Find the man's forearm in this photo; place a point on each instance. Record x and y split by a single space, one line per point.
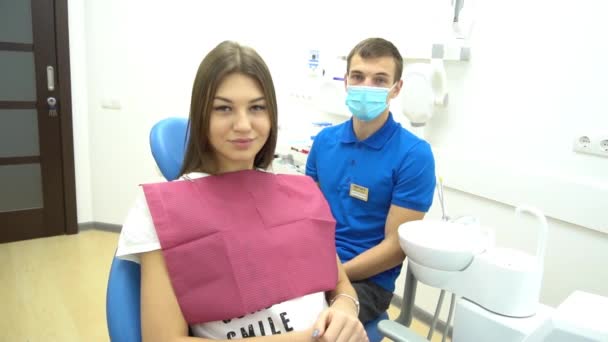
380 258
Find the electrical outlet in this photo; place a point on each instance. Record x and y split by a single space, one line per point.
582 143
591 144
602 146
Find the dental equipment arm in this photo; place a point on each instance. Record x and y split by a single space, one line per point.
398 333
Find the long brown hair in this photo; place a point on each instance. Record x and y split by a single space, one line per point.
226 58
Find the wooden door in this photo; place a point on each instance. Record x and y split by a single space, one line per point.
36 153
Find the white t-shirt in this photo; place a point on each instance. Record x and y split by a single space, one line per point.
138 235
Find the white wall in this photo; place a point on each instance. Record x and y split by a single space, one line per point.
534 82
535 78
80 118
145 55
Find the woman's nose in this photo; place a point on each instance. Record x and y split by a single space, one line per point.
242 121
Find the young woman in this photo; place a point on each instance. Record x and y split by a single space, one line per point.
220 256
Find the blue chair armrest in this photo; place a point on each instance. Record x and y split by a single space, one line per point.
123 301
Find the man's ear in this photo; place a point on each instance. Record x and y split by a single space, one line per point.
397 89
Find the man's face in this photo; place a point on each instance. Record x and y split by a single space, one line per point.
373 72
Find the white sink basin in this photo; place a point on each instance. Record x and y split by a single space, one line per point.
442 245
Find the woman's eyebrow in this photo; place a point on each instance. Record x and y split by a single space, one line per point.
261 98
222 99
258 99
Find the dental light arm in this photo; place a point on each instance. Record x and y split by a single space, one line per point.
424 87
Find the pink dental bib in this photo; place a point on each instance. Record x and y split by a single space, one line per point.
243 241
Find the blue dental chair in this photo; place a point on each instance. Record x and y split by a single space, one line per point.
167 144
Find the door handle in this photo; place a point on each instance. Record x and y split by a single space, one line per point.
50 78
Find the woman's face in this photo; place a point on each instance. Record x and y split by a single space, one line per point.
239 124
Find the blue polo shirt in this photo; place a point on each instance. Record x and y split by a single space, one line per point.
392 166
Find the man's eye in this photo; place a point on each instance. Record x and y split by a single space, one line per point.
380 81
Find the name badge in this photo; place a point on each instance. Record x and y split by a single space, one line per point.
358 192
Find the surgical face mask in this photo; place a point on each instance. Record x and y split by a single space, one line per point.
366 103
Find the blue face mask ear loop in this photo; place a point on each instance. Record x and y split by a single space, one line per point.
391 89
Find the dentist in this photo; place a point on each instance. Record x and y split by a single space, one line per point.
374 173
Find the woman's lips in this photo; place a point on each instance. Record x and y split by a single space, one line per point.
242 144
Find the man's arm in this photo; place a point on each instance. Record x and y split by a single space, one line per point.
388 253
415 185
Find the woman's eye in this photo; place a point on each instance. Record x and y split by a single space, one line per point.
258 108
222 108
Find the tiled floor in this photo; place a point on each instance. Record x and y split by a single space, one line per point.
53 289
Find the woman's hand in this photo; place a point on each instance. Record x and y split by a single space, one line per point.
339 323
